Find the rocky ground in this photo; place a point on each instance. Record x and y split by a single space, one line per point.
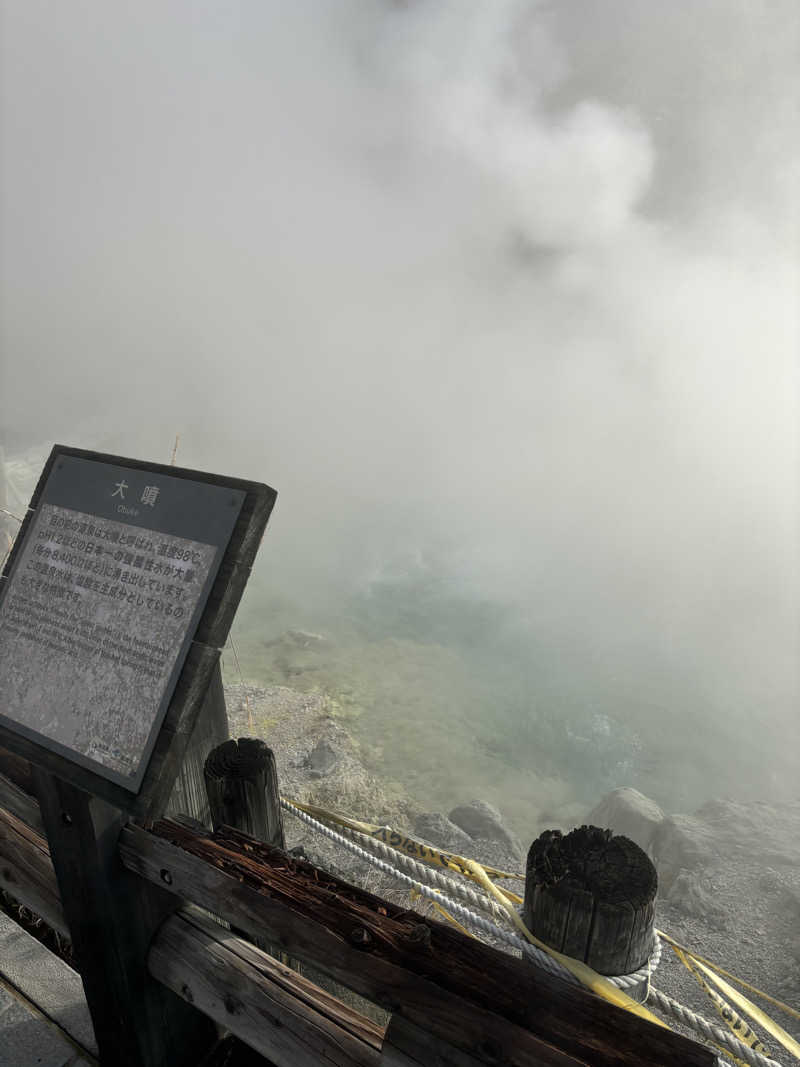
729 888
729 875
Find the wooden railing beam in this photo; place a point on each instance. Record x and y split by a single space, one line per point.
112 917
468 994
283 1016
459 992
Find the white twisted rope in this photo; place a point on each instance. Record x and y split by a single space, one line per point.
426 873
541 959
479 922
709 1031
432 877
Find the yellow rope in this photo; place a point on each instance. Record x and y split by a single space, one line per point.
585 975
416 895
408 845
727 974
734 1022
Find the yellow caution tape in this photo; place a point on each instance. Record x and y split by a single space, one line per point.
408 845
754 1012
452 919
733 1021
415 895
708 968
740 981
589 978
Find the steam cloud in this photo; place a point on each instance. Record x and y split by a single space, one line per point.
518 279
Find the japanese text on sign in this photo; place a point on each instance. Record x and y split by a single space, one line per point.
97 610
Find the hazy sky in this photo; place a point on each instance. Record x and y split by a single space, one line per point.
517 278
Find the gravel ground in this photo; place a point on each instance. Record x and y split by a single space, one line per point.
753 935
745 916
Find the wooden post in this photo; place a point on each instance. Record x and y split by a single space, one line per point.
189 796
591 895
112 918
241 781
242 785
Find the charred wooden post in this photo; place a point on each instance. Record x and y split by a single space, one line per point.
242 785
189 796
591 895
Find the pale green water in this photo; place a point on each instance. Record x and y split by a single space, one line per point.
449 698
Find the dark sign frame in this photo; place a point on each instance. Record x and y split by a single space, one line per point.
204 648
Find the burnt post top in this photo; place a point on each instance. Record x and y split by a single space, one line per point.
119 593
612 868
591 895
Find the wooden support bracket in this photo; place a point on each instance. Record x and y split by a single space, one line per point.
112 917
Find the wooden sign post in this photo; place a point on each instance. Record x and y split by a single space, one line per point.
114 605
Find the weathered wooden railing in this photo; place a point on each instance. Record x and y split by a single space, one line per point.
453 1000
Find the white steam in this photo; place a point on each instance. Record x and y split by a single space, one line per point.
517 278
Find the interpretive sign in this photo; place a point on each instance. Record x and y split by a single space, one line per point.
102 598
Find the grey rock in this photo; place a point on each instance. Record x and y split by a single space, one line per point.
790 903
753 833
629 813
768 833
682 842
435 827
478 818
306 639
482 821
322 759
690 895
299 639
769 881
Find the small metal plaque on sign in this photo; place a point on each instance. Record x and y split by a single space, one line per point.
101 603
